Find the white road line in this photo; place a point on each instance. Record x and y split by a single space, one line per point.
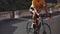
54 17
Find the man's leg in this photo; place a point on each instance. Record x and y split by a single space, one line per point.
48 14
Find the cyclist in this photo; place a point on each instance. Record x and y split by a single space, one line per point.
34 10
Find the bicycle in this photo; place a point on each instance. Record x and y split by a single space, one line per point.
43 28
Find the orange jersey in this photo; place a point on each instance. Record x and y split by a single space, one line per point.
36 4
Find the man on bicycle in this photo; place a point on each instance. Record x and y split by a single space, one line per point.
34 10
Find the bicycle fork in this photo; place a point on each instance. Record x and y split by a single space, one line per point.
41 25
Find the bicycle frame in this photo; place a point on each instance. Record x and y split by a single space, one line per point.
41 23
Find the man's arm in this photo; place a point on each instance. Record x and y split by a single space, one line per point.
46 10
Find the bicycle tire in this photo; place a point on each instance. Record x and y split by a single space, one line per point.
45 30
28 29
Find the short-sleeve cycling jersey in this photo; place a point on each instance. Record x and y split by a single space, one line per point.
36 4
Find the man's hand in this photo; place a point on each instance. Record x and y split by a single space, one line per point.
48 19
38 18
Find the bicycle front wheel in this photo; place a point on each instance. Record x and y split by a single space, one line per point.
45 29
29 30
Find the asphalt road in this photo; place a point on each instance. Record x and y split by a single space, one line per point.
18 26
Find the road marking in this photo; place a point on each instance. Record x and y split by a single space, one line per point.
53 17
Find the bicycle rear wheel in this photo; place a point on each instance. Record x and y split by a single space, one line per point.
45 29
29 30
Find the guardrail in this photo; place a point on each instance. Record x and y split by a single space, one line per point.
19 13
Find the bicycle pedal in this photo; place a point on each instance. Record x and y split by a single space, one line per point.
36 32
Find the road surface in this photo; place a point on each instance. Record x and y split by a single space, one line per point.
18 26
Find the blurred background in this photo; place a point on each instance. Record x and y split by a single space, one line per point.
14 15
21 4
14 6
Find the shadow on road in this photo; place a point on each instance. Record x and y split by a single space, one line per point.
44 15
6 26
12 21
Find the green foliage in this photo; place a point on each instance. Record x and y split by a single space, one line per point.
1 7
19 4
22 4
